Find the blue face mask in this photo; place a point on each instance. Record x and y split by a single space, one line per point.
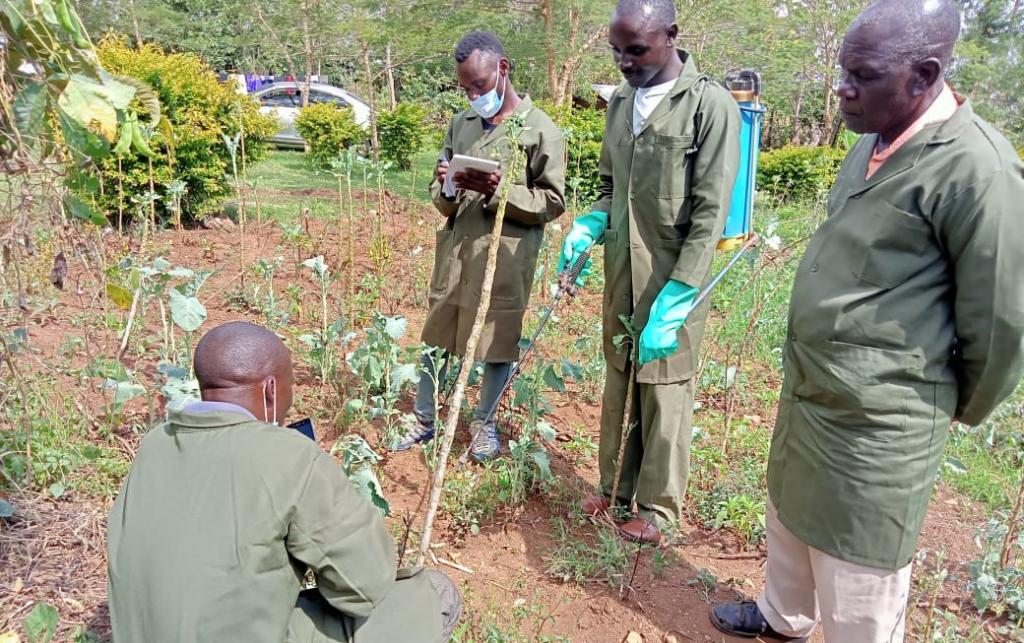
489 104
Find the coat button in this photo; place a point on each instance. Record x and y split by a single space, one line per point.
814 267
632 196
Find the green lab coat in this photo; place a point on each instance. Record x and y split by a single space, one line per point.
216 524
667 193
537 196
907 311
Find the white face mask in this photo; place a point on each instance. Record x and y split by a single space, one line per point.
489 104
270 419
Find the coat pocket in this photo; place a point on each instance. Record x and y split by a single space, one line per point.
508 292
861 389
443 261
893 247
672 157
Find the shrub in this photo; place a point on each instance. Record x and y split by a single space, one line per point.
799 172
327 130
403 131
199 111
583 130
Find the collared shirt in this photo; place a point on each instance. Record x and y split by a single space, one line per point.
940 111
206 406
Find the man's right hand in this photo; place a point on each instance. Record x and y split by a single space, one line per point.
587 231
441 172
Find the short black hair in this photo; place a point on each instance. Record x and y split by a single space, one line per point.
928 28
484 41
656 13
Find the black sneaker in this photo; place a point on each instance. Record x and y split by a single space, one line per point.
744 619
417 433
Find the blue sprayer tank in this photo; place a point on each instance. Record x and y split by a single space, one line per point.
745 87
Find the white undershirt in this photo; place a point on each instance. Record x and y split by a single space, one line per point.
644 102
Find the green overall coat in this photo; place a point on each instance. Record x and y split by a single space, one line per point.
536 197
216 524
667 193
907 311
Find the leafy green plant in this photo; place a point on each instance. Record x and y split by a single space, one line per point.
583 130
323 345
383 369
328 130
997 577
402 131
41 623
187 142
799 172
581 559
358 460
269 304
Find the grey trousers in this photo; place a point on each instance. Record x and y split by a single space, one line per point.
495 376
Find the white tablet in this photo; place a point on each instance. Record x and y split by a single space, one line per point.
461 163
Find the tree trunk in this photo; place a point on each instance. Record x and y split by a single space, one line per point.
371 96
389 70
550 53
795 139
135 23
307 50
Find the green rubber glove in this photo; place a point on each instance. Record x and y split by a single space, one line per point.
587 231
668 314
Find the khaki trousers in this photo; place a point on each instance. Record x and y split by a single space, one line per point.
656 463
855 604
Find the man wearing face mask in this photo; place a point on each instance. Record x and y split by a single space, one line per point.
224 510
668 165
536 197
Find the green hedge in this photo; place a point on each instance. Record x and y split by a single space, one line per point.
402 131
327 130
200 111
799 172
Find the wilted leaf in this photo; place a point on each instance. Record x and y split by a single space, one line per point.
546 431
317 265
187 312
82 101
366 483
41 624
10 637
543 464
119 295
572 370
60 271
56 490
6 509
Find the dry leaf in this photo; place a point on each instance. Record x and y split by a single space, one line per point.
634 637
10 637
60 271
17 586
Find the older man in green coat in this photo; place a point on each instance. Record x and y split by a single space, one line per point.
668 165
907 313
536 197
224 510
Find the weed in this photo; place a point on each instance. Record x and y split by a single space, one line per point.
705 583
268 304
604 557
997 577
581 447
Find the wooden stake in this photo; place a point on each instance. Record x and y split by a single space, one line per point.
466 365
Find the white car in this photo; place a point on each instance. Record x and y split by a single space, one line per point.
283 101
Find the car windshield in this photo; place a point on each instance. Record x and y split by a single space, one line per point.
282 98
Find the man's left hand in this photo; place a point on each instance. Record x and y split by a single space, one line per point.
668 313
477 181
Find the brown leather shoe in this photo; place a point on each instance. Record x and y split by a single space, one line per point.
595 505
640 531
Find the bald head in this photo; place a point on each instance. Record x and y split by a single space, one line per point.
248 365
237 354
911 30
652 14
